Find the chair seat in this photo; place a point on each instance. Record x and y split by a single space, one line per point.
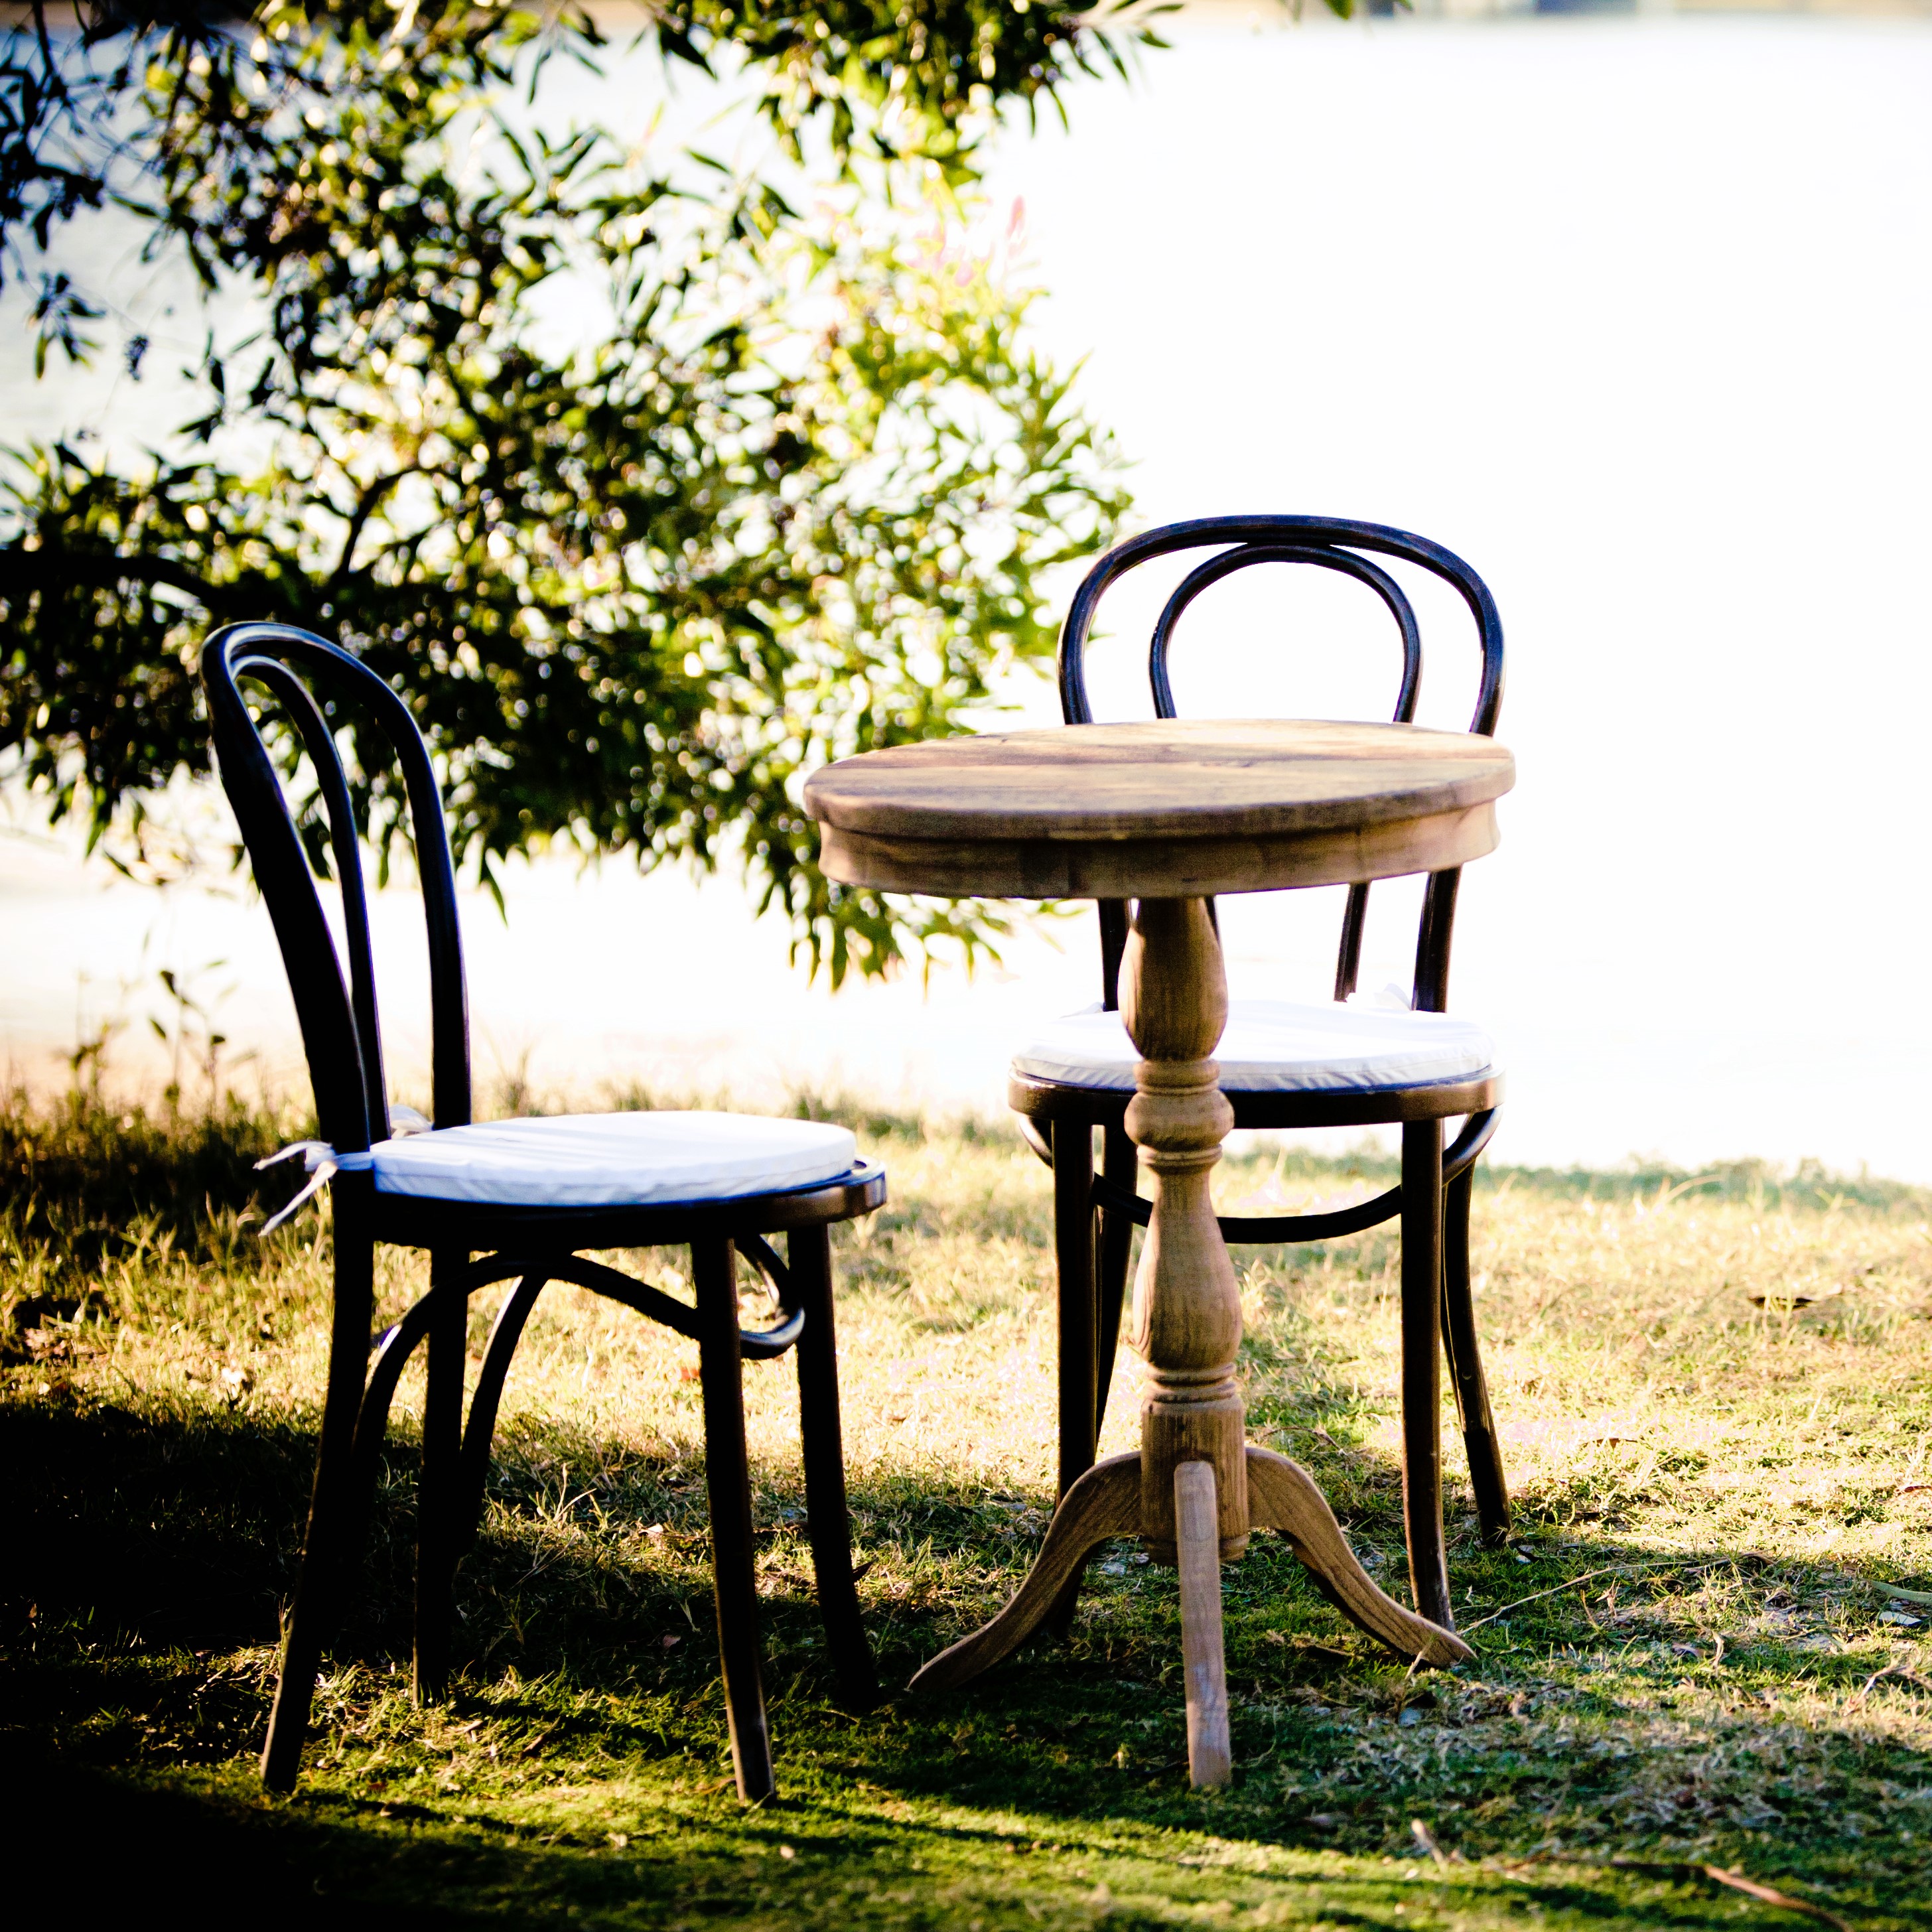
611 1160
1276 1046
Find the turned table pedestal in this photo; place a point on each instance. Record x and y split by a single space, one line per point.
1168 814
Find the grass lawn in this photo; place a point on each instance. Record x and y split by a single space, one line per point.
1702 1654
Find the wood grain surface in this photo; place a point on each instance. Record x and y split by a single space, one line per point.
1169 868
1170 777
1187 1304
1204 1664
1105 1501
1282 1495
1165 808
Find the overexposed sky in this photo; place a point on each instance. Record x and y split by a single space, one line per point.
1631 313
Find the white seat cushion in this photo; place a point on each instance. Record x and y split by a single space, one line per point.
612 1160
1276 1046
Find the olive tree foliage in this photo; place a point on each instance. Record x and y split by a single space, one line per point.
790 492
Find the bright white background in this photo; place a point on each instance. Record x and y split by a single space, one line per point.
1631 314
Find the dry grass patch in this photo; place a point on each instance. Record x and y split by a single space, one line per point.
1715 1392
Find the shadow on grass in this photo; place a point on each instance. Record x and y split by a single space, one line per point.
321 1862
580 1769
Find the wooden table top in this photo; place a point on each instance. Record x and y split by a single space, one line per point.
1160 808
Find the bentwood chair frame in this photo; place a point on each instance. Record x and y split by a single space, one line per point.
318 687
1433 1198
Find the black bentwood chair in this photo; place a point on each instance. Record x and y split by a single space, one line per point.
1284 1065
529 1196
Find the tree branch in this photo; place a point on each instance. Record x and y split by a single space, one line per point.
28 571
371 495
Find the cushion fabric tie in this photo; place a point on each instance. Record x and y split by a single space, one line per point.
323 1163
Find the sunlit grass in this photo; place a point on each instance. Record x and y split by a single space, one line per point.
1714 1392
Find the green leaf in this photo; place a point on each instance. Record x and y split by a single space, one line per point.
805 497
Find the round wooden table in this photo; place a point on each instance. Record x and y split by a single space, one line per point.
1167 813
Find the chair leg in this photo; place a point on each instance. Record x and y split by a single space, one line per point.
486 1400
828 1522
1073 1257
1466 1367
727 1477
1120 1163
1421 1367
1073 1260
328 1553
439 1502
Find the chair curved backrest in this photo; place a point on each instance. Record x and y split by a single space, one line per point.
317 686
1328 543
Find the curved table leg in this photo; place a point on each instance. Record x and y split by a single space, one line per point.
1282 1495
1105 1501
